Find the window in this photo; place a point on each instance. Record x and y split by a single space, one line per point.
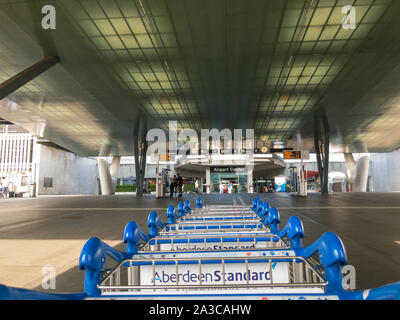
48 182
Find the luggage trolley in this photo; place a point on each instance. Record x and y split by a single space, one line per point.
184 213
224 226
291 273
209 216
225 212
221 240
181 265
222 210
261 275
217 209
228 221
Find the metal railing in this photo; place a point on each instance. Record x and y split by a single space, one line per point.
218 217
199 243
216 221
205 228
301 273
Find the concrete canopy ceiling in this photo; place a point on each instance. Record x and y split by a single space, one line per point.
212 63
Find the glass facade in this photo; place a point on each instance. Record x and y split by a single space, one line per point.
236 180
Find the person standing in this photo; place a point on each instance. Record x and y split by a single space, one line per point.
221 187
171 189
196 186
173 186
180 185
5 188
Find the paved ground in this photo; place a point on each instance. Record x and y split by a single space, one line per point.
52 230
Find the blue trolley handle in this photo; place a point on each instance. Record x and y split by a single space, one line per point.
181 209
259 207
199 203
272 220
186 207
265 209
294 230
254 204
133 236
171 214
332 255
154 223
93 260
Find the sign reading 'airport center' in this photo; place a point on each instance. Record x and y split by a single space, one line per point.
227 169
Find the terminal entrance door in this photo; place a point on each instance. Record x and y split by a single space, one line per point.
233 182
237 179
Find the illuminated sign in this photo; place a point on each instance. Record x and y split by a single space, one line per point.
167 157
291 155
227 169
278 144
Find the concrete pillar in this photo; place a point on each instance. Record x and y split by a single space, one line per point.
114 168
208 179
361 180
105 177
357 173
250 180
201 180
108 175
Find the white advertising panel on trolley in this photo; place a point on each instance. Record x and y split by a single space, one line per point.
212 274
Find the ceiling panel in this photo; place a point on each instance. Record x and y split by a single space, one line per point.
214 63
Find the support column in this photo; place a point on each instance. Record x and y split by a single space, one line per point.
303 180
208 180
250 180
139 190
105 177
114 169
357 172
35 164
321 145
143 155
200 185
108 175
140 152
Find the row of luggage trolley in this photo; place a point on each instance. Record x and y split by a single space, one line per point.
215 252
